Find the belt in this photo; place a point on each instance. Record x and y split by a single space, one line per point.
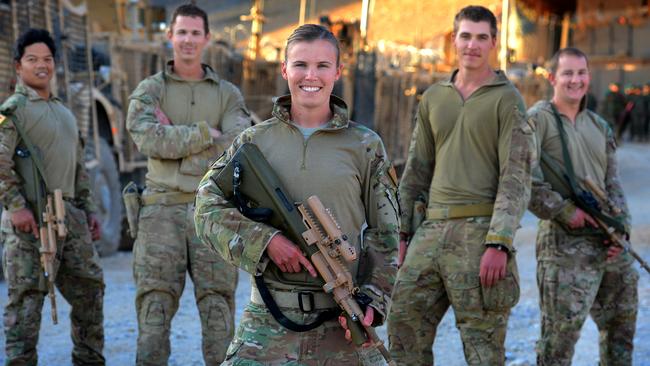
167 198
307 301
457 211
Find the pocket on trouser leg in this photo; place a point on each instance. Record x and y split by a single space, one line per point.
503 295
464 291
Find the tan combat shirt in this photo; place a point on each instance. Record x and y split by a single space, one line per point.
477 150
52 129
346 166
591 147
180 154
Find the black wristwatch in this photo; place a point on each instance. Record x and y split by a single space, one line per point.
499 247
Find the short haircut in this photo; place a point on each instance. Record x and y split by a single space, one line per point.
554 63
310 33
191 10
30 37
476 14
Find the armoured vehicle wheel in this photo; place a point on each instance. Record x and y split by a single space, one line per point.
108 198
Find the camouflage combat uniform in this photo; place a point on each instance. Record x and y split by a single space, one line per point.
573 277
466 156
346 166
52 129
166 246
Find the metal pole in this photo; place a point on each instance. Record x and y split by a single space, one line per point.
503 51
303 11
564 37
365 11
256 17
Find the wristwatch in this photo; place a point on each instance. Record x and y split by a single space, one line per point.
499 247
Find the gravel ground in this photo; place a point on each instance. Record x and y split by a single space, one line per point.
523 329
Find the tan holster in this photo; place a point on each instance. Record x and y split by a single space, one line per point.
132 204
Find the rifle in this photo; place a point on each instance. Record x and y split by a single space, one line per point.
615 237
249 181
324 232
49 209
51 224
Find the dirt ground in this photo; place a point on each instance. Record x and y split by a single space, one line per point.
523 329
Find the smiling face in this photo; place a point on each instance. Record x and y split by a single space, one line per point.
188 38
36 67
571 79
311 71
473 42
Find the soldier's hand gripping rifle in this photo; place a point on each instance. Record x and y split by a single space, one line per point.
325 233
51 225
248 181
615 237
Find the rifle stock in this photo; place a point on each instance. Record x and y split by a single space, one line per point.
52 225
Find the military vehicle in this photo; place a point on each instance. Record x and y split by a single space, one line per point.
75 84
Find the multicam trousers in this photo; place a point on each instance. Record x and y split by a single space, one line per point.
441 269
79 278
165 249
261 341
574 281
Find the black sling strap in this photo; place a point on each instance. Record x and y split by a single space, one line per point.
584 199
261 215
275 311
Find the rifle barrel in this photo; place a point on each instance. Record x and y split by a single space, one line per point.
623 244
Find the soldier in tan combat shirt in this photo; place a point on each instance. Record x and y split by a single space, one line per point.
181 118
471 155
577 274
315 150
52 129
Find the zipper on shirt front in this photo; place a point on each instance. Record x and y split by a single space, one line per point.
303 165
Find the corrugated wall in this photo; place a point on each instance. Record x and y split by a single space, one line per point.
6 47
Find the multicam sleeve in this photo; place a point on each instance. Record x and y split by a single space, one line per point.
162 141
224 229
10 196
516 154
236 117
418 171
83 188
381 237
545 203
612 182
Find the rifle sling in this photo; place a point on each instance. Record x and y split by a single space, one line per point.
275 311
30 147
569 176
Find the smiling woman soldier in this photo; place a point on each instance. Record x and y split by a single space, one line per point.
315 150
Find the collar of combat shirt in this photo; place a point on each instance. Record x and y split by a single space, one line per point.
499 79
32 95
208 73
339 120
